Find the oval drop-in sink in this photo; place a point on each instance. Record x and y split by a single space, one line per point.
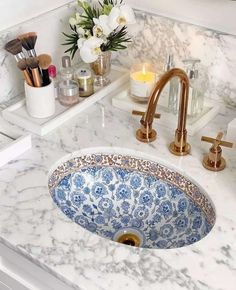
132 200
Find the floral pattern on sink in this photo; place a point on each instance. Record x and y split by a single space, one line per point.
106 195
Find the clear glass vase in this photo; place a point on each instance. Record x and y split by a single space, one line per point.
101 68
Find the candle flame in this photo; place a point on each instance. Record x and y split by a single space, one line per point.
144 70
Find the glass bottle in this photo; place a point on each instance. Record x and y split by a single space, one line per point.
173 91
196 97
67 71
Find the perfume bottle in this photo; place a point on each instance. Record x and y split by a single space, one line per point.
173 87
196 96
67 71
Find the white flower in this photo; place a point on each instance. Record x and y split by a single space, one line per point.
80 31
91 49
75 20
101 25
72 21
97 31
77 17
121 16
80 42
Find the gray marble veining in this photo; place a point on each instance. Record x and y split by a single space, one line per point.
31 223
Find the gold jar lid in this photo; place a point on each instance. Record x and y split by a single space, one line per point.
83 73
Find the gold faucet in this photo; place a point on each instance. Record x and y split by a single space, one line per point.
147 134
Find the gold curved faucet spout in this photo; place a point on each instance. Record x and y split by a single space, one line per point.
147 134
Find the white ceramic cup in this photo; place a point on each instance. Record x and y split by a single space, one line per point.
40 102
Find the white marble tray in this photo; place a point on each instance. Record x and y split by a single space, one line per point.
12 143
211 109
231 132
17 113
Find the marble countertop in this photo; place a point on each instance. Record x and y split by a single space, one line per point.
32 224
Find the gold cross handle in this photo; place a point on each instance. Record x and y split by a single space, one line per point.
139 113
213 160
217 141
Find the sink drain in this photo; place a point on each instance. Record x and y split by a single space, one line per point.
129 239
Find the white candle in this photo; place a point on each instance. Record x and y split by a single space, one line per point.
142 81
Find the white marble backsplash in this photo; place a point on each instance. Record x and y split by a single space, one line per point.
155 37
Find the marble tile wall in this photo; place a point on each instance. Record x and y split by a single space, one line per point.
154 38
157 36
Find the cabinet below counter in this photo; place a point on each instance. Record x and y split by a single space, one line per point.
19 273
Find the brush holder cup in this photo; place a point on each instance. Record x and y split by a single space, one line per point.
40 102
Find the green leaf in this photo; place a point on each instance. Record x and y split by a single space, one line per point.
83 5
107 9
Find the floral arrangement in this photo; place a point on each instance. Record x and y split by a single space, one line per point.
101 26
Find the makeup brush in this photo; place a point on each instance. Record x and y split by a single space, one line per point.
15 47
33 63
22 65
28 41
44 62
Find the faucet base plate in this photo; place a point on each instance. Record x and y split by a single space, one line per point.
146 138
214 166
175 150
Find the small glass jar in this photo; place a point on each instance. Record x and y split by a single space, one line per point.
143 77
68 94
84 78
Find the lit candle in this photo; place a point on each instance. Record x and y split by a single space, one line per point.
142 80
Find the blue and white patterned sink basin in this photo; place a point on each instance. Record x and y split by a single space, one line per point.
113 195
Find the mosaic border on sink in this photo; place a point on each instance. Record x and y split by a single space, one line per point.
138 164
